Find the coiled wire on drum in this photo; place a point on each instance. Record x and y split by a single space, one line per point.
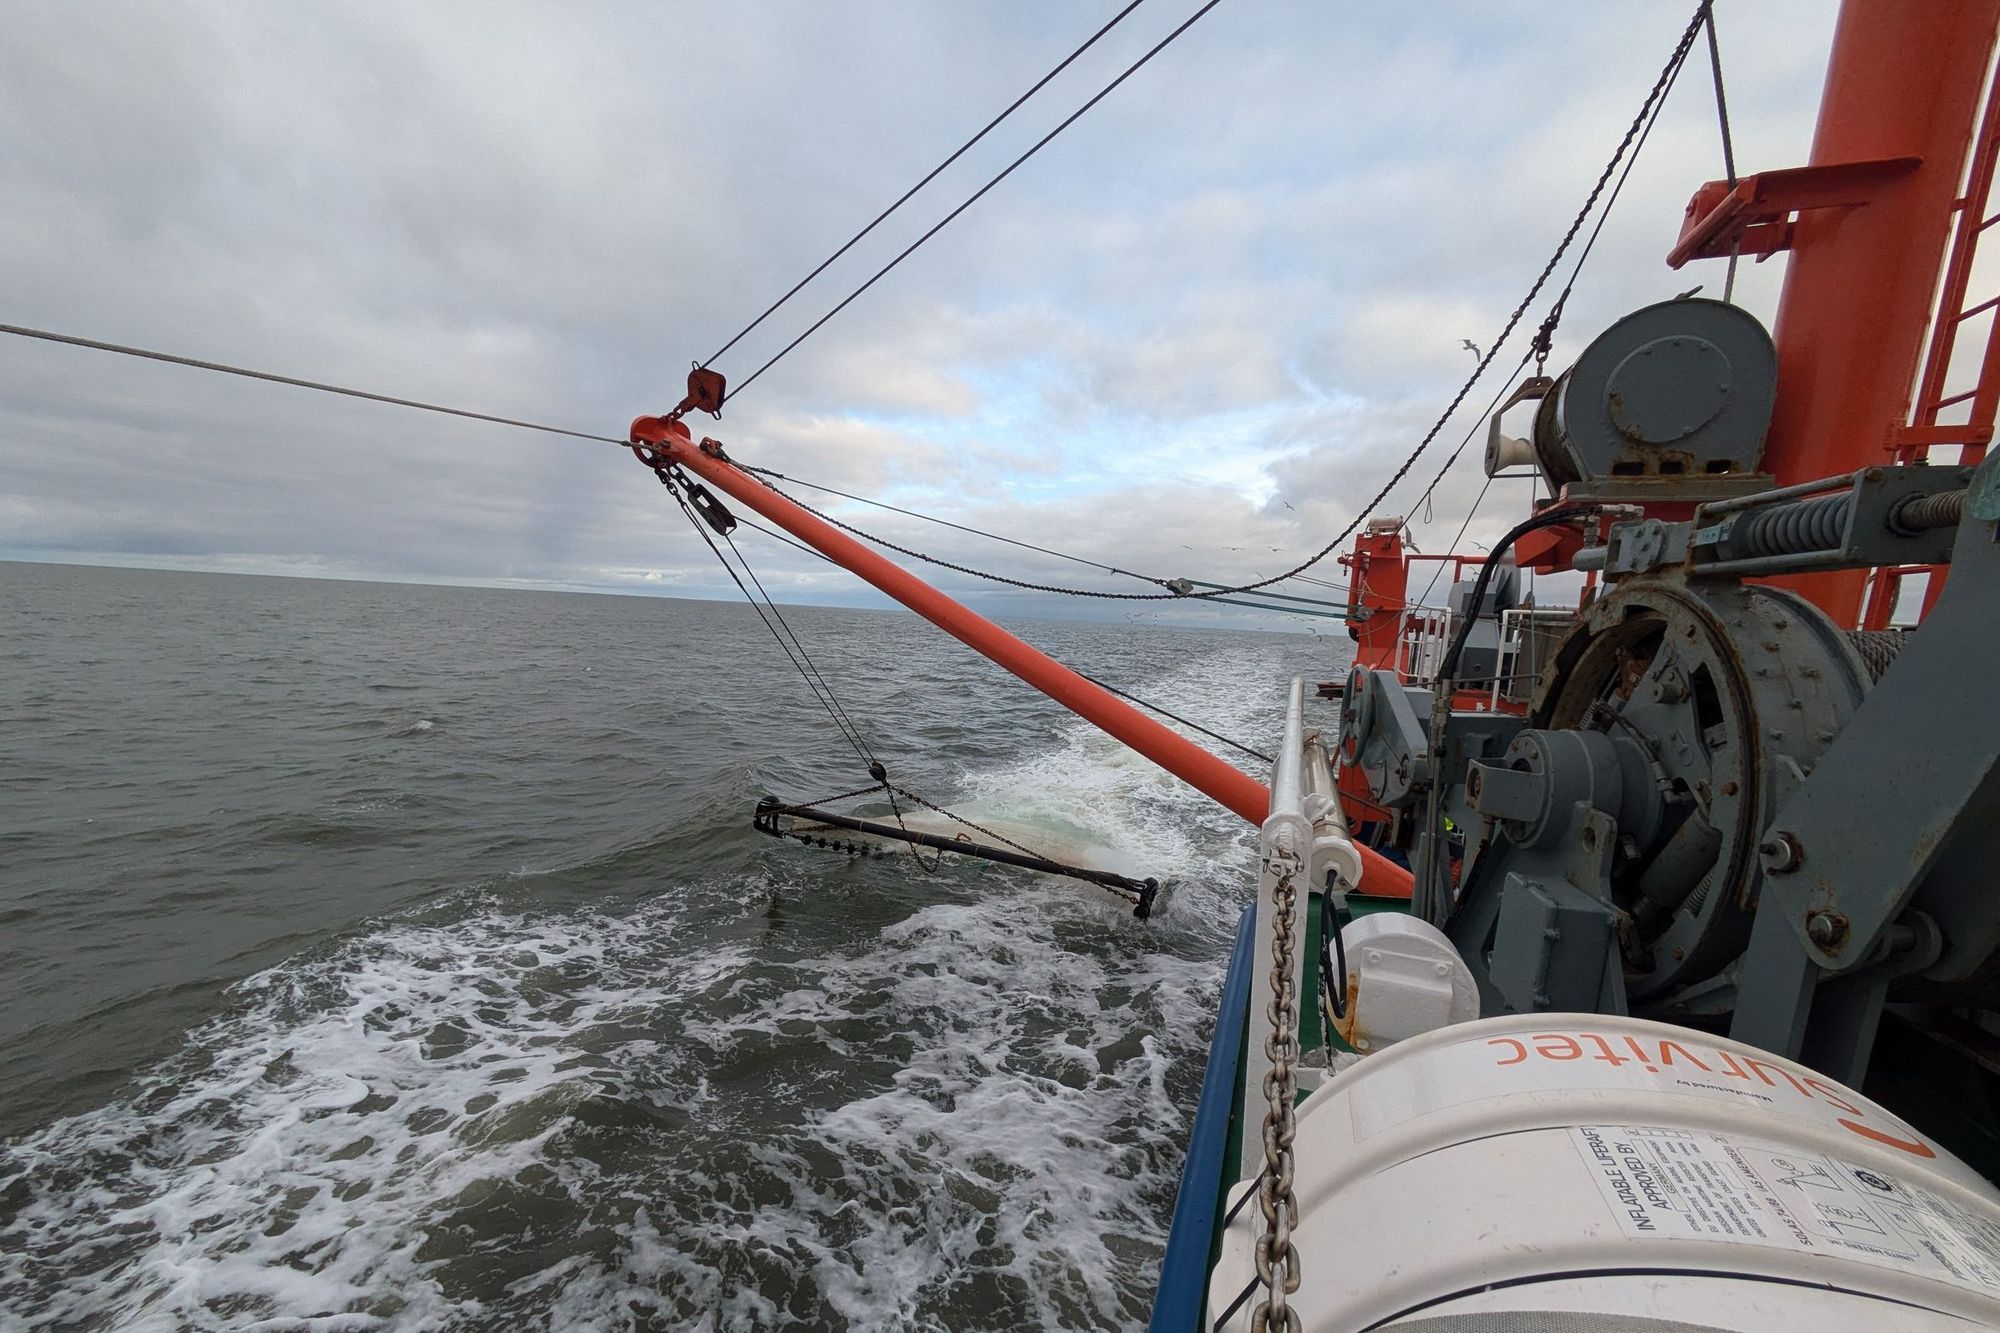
1877 648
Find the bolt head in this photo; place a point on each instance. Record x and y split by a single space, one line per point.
1781 854
1826 930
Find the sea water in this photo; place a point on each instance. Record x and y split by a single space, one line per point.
389 957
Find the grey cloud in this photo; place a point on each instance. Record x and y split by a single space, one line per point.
1239 284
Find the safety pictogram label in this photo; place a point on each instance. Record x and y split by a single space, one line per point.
1690 1185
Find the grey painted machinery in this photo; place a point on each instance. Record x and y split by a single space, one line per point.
1720 808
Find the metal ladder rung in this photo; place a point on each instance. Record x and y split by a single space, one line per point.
1979 309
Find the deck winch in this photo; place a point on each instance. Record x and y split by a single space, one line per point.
1649 835
1633 797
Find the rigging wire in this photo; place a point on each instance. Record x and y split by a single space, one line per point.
123 350
1028 584
1438 571
1728 145
1721 99
781 537
822 689
1634 135
940 225
804 656
1633 132
808 670
1153 707
944 522
1547 331
1643 120
1010 541
884 542
962 149
845 725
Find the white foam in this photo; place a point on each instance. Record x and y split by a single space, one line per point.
314 1158
287 1166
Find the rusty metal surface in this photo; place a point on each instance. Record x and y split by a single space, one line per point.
1675 394
1910 787
1674 719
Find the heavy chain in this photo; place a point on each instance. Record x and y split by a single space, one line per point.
1277 1262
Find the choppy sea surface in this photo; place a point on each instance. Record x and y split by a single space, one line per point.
389 957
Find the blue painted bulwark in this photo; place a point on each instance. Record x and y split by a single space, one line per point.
1178 1304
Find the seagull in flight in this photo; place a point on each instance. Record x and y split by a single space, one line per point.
1470 346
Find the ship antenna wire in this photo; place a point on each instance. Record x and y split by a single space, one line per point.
1012 107
978 194
170 358
1634 137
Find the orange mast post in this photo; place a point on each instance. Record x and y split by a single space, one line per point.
1224 782
1903 82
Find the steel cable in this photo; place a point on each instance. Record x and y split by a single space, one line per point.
980 193
1635 134
947 523
220 368
962 149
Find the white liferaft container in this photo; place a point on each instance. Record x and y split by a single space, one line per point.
1573 1171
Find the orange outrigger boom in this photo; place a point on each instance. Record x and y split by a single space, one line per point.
662 442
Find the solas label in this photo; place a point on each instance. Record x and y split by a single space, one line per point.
1683 1185
1477 1068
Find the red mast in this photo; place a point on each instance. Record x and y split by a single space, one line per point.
1873 211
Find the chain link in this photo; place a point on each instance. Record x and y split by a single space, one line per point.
976 828
1277 1262
806 807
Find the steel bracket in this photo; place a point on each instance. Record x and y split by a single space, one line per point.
1920 770
1869 536
1755 216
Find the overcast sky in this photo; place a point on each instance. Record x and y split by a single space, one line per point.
1191 337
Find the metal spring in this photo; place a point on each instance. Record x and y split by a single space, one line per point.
1932 511
1794 529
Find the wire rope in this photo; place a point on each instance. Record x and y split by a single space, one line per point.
978 194
932 175
317 386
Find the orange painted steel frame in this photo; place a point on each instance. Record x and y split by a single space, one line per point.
1224 782
1378 584
1904 80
